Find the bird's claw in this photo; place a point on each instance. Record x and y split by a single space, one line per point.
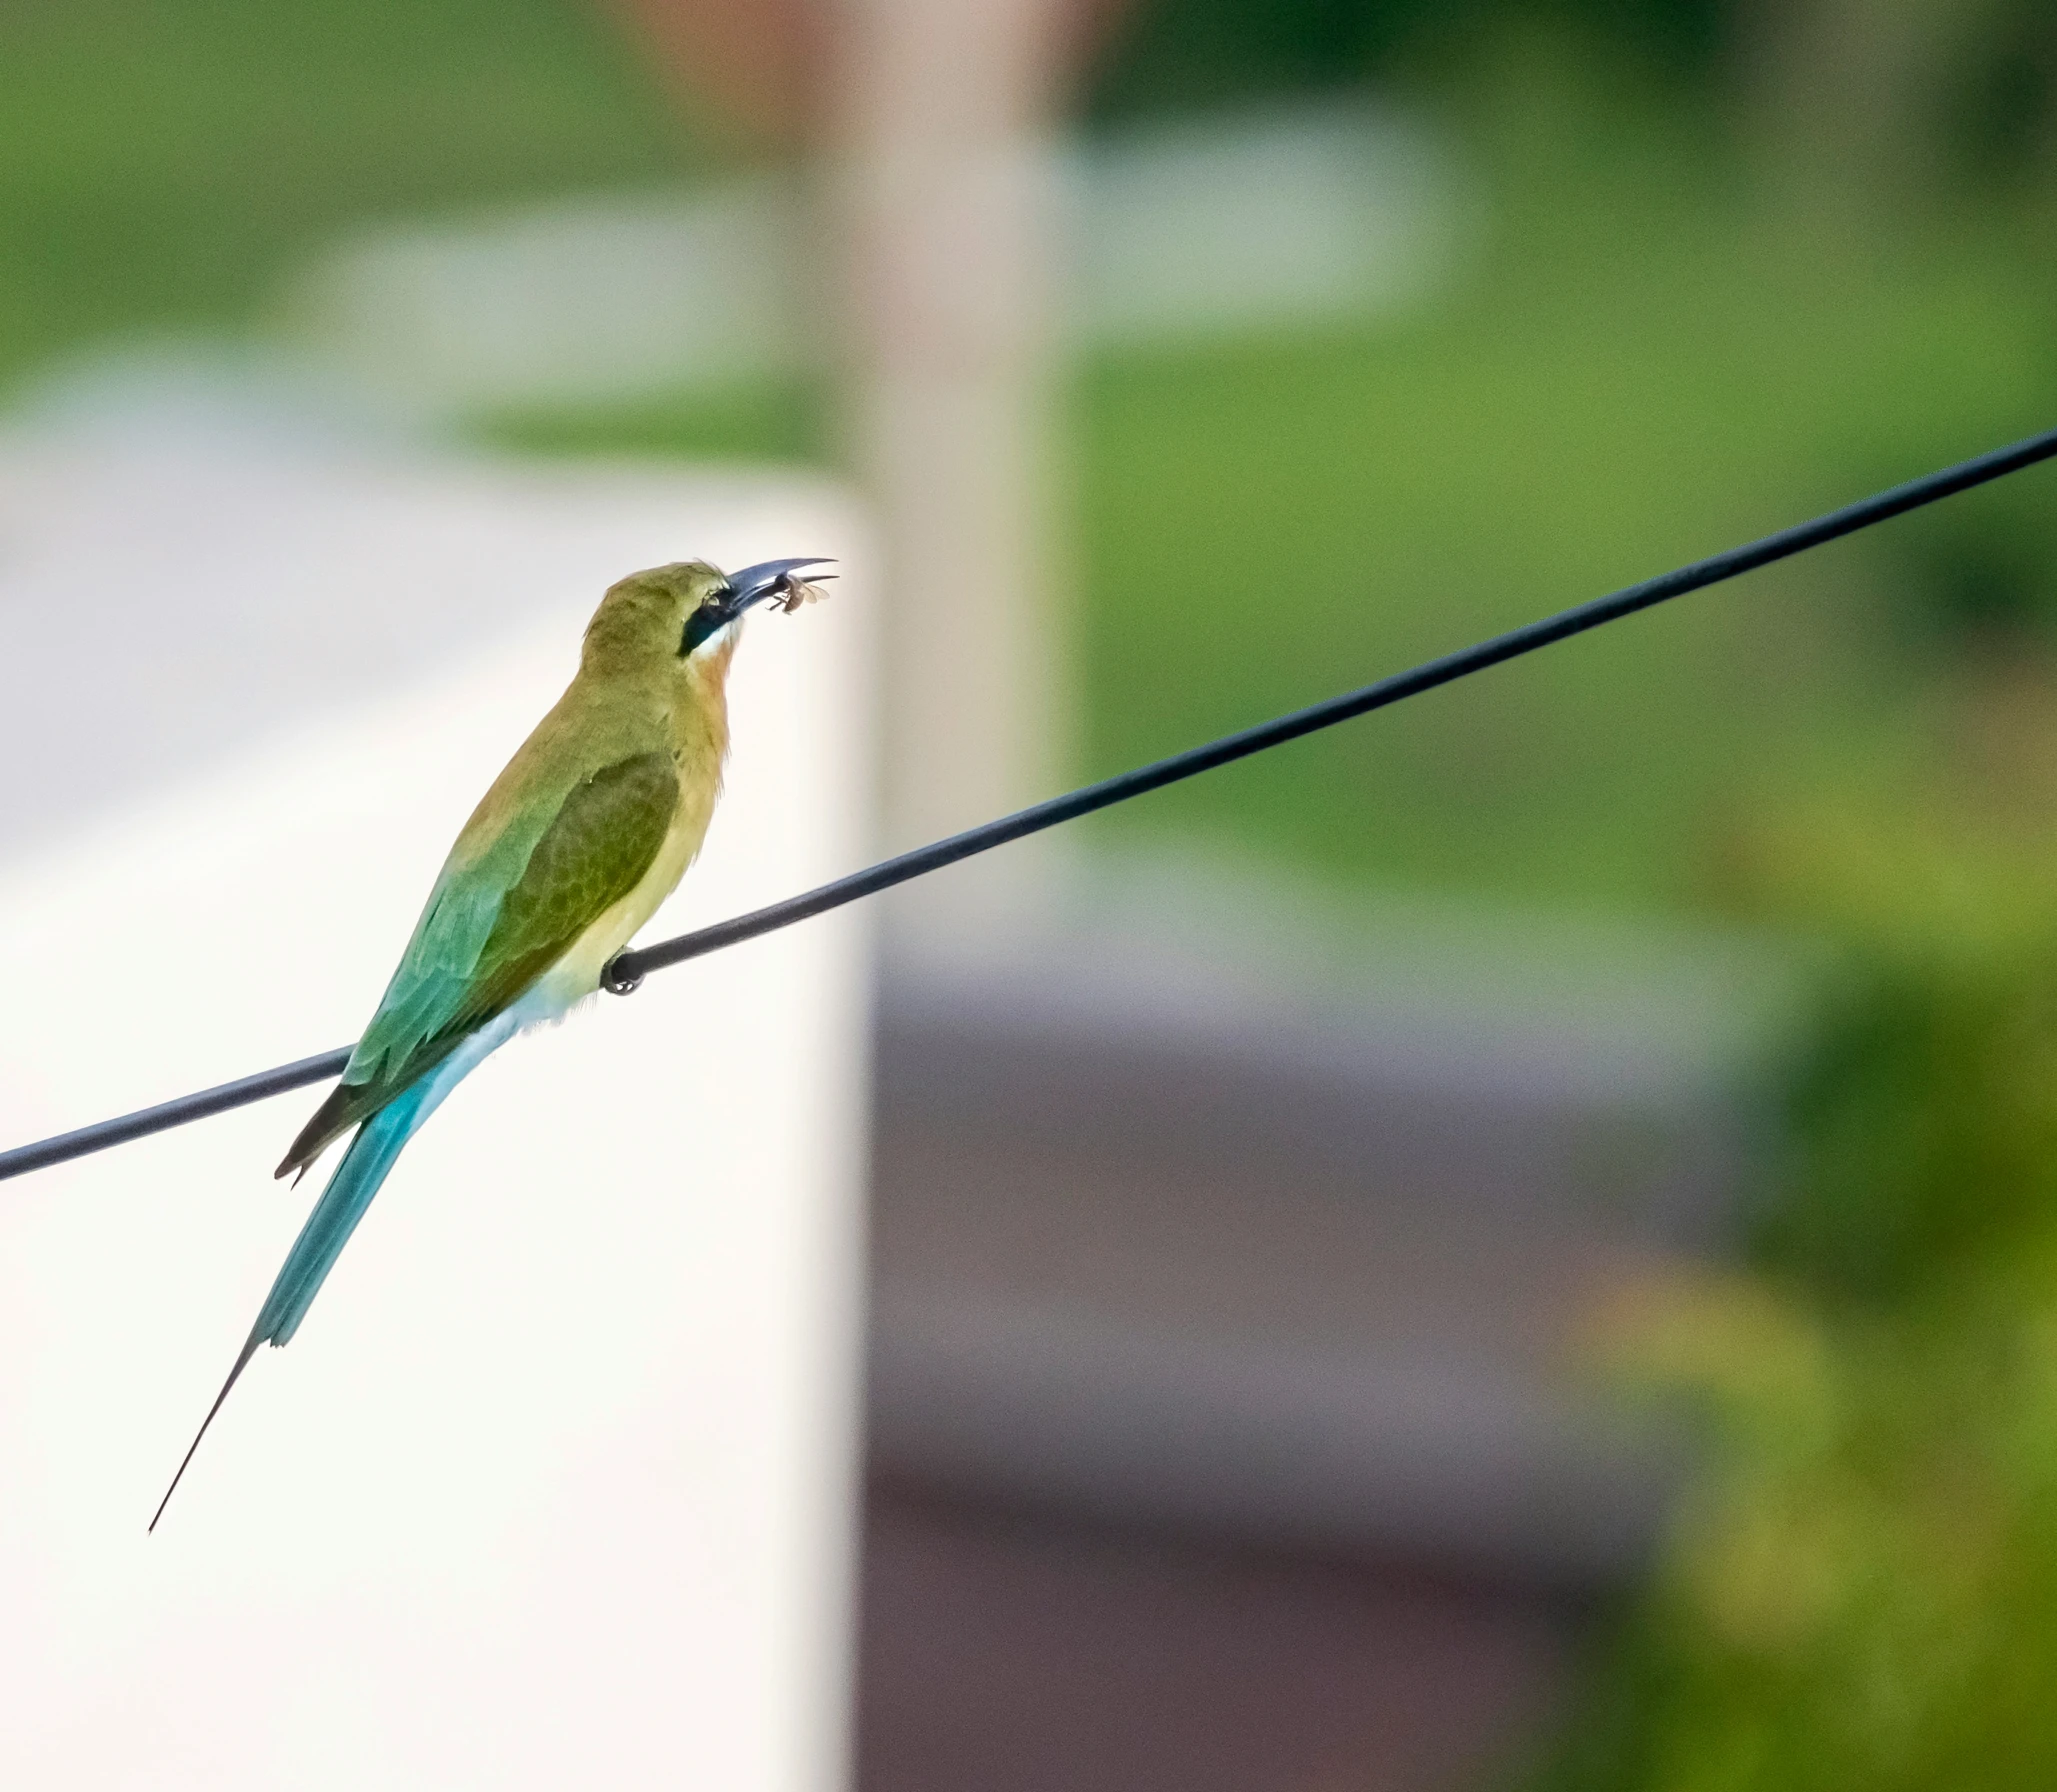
617 982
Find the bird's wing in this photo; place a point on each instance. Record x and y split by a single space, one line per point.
494 924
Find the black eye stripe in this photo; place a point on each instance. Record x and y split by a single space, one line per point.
710 616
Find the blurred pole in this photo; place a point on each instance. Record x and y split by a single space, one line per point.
943 185
945 267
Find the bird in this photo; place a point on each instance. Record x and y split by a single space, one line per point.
581 837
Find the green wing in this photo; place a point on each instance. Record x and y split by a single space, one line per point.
496 924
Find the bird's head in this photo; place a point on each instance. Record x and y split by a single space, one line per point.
685 614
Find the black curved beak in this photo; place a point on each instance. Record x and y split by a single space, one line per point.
768 578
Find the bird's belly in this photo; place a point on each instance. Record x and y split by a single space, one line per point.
577 974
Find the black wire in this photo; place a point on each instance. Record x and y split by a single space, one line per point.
221 1099
629 968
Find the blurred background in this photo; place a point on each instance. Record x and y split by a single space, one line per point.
1508 1244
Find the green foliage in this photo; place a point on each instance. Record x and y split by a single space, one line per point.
1980 575
1862 1589
1862 1595
1999 107
1926 1114
1184 55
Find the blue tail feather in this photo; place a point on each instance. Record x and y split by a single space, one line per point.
350 1190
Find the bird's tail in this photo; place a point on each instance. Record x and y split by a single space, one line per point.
321 1241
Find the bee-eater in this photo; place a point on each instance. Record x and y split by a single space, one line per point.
585 833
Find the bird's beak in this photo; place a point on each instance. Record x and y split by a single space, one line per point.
768 578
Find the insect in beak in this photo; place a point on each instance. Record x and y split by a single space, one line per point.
773 582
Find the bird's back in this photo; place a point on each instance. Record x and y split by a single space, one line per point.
574 846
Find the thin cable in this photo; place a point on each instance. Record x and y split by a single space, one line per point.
221 1099
629 969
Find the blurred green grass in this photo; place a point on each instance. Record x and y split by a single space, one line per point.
1653 375
163 162
1646 360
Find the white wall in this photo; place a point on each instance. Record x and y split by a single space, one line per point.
554 1488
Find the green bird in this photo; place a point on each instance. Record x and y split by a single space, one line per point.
585 833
